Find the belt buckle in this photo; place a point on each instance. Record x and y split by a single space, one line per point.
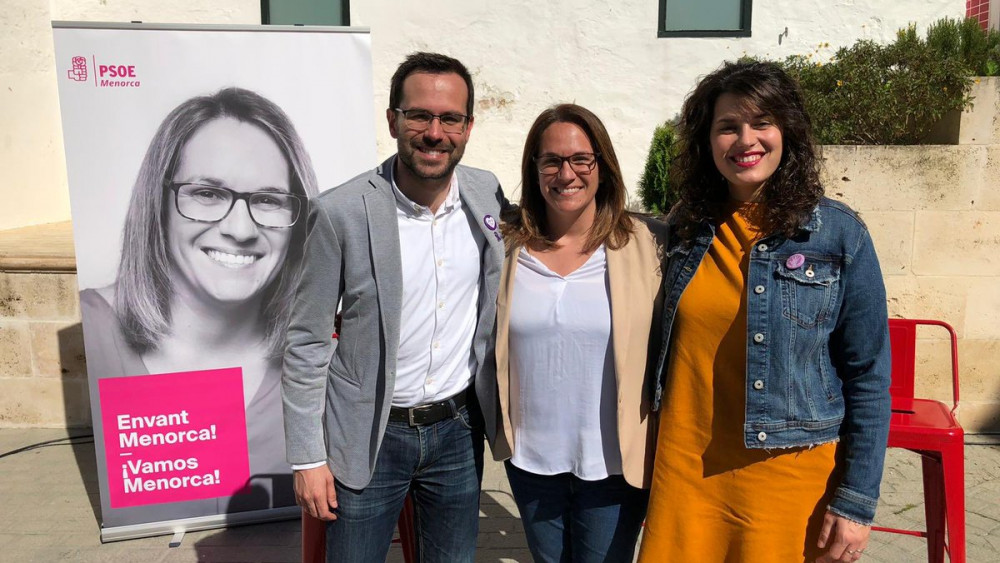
409 416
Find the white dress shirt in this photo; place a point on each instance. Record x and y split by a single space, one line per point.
441 256
563 393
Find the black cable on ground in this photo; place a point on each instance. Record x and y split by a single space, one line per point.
67 441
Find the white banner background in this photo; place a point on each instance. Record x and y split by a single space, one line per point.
320 77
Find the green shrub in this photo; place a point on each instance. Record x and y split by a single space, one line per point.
872 94
945 38
655 190
868 94
965 41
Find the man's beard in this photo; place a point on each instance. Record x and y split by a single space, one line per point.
407 155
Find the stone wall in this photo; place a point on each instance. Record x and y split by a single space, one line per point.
934 214
43 373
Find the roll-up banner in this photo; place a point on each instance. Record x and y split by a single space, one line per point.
192 153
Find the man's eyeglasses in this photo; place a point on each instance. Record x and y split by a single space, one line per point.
582 163
211 204
420 120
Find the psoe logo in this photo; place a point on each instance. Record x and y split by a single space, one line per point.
107 75
116 76
79 70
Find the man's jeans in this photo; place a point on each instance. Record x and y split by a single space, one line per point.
568 519
442 463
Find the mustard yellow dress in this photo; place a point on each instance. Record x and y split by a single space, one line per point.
712 499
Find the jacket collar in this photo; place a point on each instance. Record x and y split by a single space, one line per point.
814 222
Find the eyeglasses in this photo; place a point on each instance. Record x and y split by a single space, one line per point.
420 120
582 163
210 204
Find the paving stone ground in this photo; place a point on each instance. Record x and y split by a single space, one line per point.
51 513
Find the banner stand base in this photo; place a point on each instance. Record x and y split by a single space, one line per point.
133 531
177 539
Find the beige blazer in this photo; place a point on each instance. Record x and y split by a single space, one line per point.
636 297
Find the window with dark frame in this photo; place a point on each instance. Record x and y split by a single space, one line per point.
704 18
305 12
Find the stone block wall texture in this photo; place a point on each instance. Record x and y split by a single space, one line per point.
43 373
934 214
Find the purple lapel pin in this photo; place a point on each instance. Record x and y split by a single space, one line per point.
490 222
795 261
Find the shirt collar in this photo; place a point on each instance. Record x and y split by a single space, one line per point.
451 201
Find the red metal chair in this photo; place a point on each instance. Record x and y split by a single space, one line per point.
314 536
930 429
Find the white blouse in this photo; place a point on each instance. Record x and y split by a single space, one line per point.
563 393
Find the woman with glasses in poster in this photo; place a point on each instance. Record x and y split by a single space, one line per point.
576 305
775 372
210 257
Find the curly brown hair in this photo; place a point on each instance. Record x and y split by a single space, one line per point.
790 194
526 223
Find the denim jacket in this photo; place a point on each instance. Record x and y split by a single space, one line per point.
818 366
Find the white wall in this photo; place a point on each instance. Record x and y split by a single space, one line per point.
32 164
524 54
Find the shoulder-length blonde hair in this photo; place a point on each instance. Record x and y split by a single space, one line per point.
527 224
143 287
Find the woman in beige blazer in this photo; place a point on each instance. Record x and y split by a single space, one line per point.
578 297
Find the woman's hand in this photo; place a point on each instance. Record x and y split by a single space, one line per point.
847 540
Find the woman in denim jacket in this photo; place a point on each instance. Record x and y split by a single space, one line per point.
774 374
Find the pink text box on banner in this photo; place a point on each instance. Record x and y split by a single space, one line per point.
175 436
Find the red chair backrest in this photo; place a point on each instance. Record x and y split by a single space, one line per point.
903 339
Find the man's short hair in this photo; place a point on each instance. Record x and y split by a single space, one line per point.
430 63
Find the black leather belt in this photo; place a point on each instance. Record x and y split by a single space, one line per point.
430 413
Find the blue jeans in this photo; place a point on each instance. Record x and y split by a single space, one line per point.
568 519
442 464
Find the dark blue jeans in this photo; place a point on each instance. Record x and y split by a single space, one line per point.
567 519
442 464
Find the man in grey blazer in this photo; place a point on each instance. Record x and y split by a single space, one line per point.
411 252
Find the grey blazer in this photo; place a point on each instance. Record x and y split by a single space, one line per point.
337 392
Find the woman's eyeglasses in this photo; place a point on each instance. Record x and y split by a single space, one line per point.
211 204
582 163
